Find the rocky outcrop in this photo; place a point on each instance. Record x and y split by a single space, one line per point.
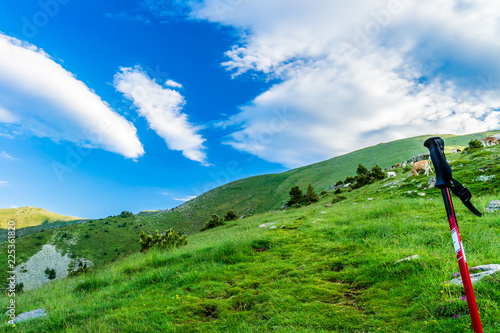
493 206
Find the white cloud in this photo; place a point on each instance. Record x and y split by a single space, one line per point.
4 183
187 198
42 97
173 84
162 109
357 73
6 156
7 116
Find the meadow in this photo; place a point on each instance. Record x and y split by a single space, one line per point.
326 267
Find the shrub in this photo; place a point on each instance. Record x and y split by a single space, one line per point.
475 144
338 191
349 180
230 216
19 287
167 241
296 196
338 198
82 268
376 173
125 214
339 183
324 192
215 221
51 273
362 170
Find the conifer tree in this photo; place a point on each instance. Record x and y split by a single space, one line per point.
296 196
311 195
362 170
377 173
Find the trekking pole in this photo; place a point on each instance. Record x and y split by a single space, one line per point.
445 182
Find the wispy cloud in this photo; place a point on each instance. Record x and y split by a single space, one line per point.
361 72
184 199
50 102
124 16
162 107
173 84
6 156
4 183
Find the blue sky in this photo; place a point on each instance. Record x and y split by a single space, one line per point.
137 105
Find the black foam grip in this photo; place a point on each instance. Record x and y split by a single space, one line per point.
441 166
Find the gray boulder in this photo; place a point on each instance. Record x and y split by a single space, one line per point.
482 271
30 315
493 206
432 182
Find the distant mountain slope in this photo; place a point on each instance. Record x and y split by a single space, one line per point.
268 192
325 267
30 216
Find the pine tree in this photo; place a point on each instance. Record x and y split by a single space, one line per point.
230 216
362 170
311 195
377 173
296 196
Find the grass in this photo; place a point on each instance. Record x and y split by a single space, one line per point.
325 268
267 192
30 216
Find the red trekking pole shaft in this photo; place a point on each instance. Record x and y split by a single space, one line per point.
462 262
444 181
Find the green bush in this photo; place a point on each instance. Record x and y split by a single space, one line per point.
125 214
339 198
167 241
296 197
230 216
19 287
362 170
377 173
82 268
475 144
324 192
215 221
51 273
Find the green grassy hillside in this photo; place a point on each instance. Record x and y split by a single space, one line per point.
106 240
324 268
268 192
30 216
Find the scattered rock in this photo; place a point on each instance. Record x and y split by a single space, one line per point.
413 257
328 205
272 227
493 206
369 199
30 315
432 182
483 270
421 194
485 178
323 212
267 225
